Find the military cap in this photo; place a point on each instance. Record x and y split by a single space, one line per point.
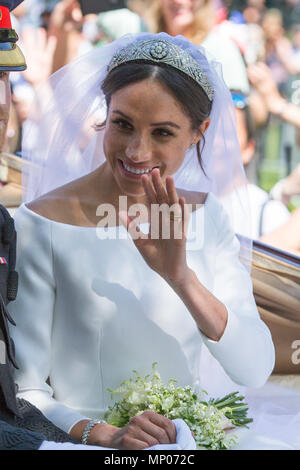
11 56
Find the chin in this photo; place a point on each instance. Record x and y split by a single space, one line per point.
131 192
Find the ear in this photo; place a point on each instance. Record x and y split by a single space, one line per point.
204 126
202 129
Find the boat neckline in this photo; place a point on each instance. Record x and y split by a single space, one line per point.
35 214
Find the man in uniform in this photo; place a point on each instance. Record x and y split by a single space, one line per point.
22 426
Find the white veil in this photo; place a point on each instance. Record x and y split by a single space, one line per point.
60 143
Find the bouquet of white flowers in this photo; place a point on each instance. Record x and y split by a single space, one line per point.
209 420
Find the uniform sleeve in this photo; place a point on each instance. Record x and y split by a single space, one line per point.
33 313
245 350
12 438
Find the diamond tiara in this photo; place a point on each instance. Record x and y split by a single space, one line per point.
161 51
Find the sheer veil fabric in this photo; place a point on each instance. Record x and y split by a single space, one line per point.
60 144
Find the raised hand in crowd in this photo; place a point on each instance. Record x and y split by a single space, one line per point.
261 78
65 25
65 15
285 53
287 187
39 49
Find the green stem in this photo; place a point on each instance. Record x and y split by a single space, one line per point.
221 400
231 402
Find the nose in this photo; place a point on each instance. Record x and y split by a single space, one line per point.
139 149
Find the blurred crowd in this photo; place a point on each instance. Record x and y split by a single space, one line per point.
258 45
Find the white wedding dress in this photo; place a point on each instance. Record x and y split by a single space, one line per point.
89 311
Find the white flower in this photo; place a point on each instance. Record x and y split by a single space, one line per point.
206 418
167 403
136 398
225 423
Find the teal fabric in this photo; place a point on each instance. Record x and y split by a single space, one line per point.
12 438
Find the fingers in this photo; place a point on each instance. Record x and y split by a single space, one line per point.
259 73
161 193
152 428
171 190
42 38
165 205
149 190
157 192
28 38
184 213
51 45
165 424
152 433
146 430
166 197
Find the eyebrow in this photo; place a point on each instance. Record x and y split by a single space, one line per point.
164 123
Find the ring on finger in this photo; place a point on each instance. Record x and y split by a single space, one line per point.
175 217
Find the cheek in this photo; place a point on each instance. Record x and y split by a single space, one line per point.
111 143
174 156
106 145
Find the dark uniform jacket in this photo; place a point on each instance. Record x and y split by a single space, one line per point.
22 425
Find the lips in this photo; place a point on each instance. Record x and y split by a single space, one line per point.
133 170
138 166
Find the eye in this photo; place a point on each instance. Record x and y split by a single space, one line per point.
162 132
122 124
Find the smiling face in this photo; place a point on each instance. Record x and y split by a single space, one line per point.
146 128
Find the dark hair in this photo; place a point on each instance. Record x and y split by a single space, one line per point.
193 99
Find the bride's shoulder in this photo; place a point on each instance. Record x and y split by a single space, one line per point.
194 198
214 209
210 200
47 205
57 205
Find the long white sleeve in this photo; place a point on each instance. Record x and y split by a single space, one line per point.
86 316
245 350
33 314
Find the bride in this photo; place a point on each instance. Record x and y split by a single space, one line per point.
143 123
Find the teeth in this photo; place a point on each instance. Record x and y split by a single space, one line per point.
135 171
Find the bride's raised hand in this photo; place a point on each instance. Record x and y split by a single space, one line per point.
164 248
